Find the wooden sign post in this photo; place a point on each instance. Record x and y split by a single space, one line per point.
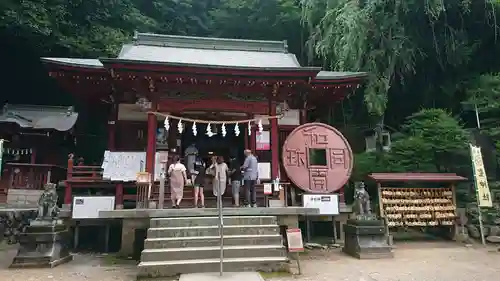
295 244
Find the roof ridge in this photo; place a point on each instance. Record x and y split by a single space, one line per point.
35 107
212 43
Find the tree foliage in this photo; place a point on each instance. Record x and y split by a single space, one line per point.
431 140
484 92
412 50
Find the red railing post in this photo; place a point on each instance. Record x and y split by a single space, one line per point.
67 193
119 195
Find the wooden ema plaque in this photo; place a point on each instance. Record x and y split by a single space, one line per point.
405 207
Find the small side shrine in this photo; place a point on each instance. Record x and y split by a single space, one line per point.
37 140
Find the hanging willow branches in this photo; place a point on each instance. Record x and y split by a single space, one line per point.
392 39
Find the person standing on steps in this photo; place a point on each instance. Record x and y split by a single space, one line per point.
250 171
178 179
198 183
236 178
221 172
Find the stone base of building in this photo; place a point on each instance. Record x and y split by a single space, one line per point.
44 244
366 239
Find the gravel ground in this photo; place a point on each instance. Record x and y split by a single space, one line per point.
415 261
412 262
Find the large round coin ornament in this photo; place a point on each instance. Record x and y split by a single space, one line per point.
317 158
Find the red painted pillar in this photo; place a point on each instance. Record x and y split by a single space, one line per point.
67 192
303 116
119 195
275 162
245 137
33 156
275 166
113 116
252 140
151 147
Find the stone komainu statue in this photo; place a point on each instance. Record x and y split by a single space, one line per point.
362 204
47 204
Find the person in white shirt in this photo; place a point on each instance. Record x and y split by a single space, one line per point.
178 179
220 171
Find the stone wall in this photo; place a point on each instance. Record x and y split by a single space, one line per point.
23 197
490 216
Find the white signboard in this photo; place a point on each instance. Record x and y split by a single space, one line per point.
328 204
124 166
88 207
264 170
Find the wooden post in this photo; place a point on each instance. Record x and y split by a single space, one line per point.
151 141
67 193
455 226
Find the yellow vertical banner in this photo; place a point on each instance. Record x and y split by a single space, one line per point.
481 181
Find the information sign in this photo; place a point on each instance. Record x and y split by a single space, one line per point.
294 238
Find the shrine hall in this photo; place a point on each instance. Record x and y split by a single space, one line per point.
165 93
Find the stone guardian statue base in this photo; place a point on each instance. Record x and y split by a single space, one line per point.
45 243
365 236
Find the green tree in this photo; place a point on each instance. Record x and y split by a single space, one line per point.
484 93
261 20
431 140
415 52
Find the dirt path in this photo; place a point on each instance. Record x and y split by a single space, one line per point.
413 262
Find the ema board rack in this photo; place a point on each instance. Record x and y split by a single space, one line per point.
420 207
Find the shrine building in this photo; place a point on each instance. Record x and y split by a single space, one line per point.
257 87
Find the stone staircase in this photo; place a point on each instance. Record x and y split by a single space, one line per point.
192 244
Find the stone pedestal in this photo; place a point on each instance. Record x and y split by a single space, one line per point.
366 239
44 244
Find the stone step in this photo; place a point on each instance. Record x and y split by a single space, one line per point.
212 252
233 240
210 221
176 267
189 231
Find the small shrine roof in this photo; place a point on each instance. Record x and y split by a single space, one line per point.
86 63
329 75
404 177
61 118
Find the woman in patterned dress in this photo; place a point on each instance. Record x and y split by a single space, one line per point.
178 179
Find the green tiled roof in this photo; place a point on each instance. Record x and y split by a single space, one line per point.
206 52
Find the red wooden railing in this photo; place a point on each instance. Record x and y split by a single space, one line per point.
83 173
31 176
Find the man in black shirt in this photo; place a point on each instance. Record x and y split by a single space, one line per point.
236 177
